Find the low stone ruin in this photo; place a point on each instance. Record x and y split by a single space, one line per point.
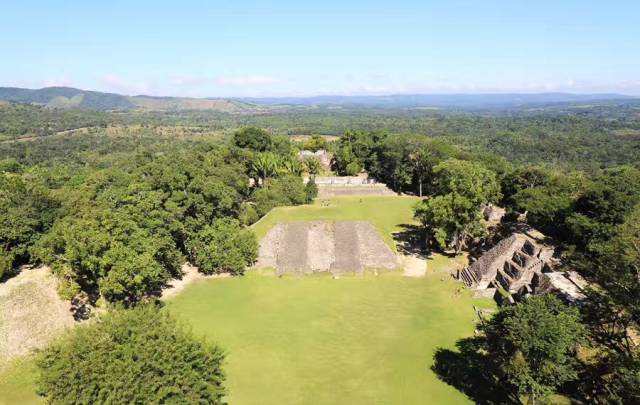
335 186
518 266
493 214
336 247
569 285
323 156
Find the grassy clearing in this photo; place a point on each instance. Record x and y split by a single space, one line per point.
386 214
315 340
17 383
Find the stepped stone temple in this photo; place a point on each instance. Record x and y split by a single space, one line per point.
522 265
511 265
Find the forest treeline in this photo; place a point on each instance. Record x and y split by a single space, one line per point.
116 216
584 138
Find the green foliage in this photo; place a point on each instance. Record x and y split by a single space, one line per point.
265 166
310 191
454 215
468 179
312 165
618 266
111 254
287 190
248 214
254 139
27 210
6 263
134 356
532 344
315 143
223 247
352 169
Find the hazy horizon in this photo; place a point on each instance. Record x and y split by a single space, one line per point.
289 49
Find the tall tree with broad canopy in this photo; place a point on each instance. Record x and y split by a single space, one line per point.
454 215
135 356
223 247
255 139
532 345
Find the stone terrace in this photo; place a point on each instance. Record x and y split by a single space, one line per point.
336 247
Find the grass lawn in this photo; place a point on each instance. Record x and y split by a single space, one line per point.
386 214
17 383
315 340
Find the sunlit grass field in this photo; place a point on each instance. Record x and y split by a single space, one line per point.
386 214
366 339
316 340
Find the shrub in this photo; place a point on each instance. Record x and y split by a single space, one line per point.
310 191
6 263
287 190
352 169
131 356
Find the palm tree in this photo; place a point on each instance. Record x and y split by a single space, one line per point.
265 165
312 165
291 166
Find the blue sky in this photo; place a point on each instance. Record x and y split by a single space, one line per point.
277 48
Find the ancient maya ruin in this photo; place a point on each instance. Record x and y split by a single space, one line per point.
518 266
337 186
317 246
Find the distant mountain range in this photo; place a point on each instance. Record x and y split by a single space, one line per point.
441 100
67 97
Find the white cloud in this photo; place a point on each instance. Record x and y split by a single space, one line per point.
58 82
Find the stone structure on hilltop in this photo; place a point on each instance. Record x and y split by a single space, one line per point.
323 156
522 265
567 284
333 186
319 246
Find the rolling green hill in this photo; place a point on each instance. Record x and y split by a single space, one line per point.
71 98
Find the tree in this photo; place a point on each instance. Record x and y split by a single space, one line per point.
532 345
352 169
423 163
291 165
450 220
313 166
454 214
315 143
27 211
265 165
223 247
131 356
618 268
310 191
471 180
107 252
255 139
285 190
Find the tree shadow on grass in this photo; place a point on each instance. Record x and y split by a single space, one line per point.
410 241
467 370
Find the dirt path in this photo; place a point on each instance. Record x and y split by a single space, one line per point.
414 266
190 275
